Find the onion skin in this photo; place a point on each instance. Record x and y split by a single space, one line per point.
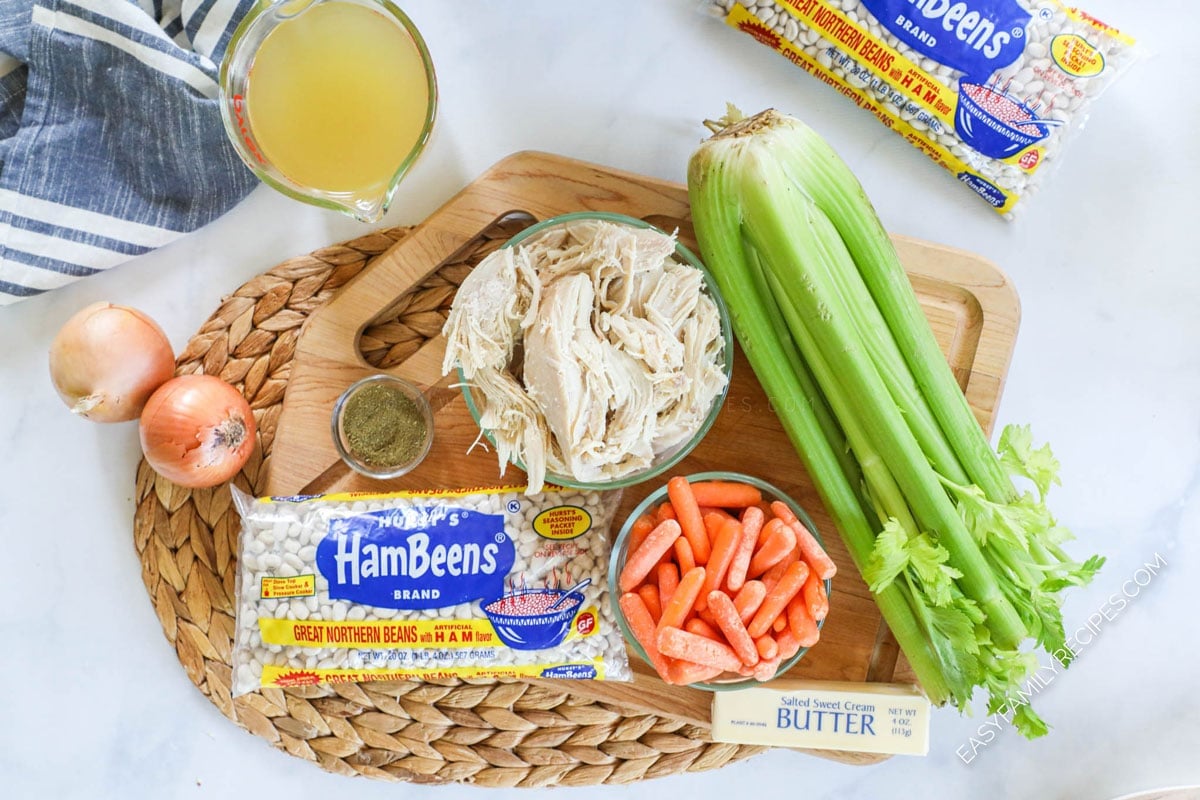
197 431
107 360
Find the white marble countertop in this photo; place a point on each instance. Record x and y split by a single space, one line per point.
1107 368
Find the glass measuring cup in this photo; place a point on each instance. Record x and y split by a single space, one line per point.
293 123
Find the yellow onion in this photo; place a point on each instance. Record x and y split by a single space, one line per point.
107 360
197 431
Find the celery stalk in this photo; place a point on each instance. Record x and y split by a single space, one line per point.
888 499
708 190
964 567
813 164
794 237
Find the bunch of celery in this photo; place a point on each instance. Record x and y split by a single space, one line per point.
965 567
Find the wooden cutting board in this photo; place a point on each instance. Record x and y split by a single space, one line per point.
971 306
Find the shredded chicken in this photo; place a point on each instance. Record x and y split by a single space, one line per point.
591 350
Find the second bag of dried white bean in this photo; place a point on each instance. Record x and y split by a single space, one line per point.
988 89
343 588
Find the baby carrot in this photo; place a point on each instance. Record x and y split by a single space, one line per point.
731 625
772 576
810 548
720 559
801 623
665 511
706 510
684 672
777 599
789 645
726 494
764 531
779 542
683 554
752 522
640 530
701 628
767 647
784 512
712 527
779 624
688 511
668 582
649 594
815 598
813 553
640 622
639 563
678 643
676 612
749 599
766 669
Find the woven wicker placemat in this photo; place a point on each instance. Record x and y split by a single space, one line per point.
483 732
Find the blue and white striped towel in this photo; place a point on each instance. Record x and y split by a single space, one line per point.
111 142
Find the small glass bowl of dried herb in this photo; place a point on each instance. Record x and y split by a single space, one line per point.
382 426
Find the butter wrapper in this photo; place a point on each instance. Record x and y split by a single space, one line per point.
856 717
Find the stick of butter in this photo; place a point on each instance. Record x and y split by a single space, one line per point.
825 715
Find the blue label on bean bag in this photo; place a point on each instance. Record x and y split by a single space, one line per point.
977 37
416 558
984 189
582 672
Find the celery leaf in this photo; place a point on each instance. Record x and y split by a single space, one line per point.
889 556
1019 457
897 550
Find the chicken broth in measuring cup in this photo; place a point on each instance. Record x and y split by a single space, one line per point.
329 100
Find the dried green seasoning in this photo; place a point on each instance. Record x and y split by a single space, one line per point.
383 427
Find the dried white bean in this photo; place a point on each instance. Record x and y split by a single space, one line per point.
283 540
1033 85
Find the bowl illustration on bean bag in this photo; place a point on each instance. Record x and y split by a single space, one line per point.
995 123
534 619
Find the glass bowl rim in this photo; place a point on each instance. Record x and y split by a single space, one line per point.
615 556
710 287
414 393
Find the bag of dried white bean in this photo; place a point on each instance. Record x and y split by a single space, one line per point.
484 584
988 89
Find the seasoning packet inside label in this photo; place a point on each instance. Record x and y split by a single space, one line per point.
347 588
989 89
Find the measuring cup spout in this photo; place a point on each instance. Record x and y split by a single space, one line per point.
368 209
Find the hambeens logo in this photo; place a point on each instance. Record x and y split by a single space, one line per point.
977 37
416 558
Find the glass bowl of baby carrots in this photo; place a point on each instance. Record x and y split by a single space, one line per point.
719 580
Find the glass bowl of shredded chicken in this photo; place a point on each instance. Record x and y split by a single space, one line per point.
593 349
